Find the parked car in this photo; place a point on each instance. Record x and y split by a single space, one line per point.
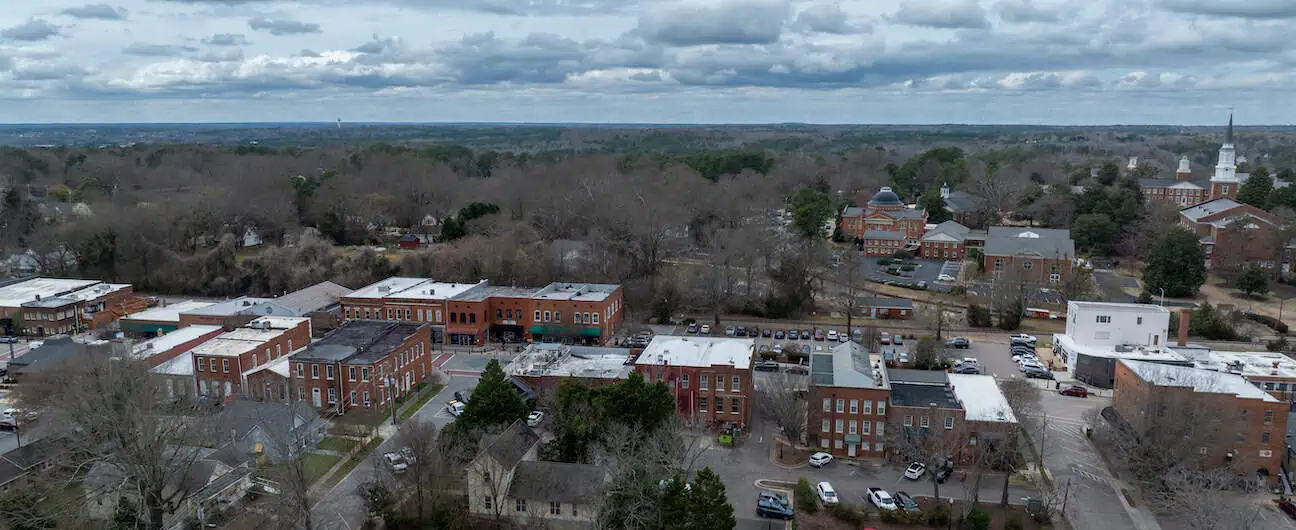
766 366
692 328
395 462
1022 338
943 473
798 370
884 338
766 332
1037 373
1287 507
827 495
794 334
857 334
805 334
534 418
778 348
705 329
903 357
1019 357
906 502
843 338
1075 390
880 498
730 331
897 339
915 471
773 505
818 334
967 369
1028 362
958 342
820 459
832 334
805 348
454 407
8 340
764 348
778 335
944 278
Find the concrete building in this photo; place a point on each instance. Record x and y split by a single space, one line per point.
1219 419
159 320
363 365
51 306
1100 333
711 377
544 366
222 364
847 402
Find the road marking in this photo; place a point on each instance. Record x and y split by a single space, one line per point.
464 373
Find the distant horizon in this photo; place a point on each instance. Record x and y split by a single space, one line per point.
345 124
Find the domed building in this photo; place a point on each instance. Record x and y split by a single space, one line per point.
884 225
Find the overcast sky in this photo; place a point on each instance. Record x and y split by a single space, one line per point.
739 61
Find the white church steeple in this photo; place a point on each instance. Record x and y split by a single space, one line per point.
1224 182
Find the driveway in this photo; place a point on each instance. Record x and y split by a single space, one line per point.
925 270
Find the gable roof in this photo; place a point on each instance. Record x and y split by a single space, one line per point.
557 482
1168 183
313 298
962 201
1212 207
1043 242
511 445
886 235
947 231
243 415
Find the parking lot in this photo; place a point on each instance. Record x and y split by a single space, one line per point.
925 270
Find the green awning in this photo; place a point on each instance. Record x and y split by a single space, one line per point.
570 331
853 439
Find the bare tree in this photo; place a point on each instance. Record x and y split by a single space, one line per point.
637 462
849 278
934 447
423 457
782 397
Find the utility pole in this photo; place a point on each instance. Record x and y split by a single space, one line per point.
1066 494
391 396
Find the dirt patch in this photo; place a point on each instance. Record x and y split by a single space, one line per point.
1217 291
791 456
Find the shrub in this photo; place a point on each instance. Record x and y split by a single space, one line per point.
884 261
847 513
979 316
978 519
805 497
1145 297
937 516
1013 524
907 267
1273 323
1279 344
768 355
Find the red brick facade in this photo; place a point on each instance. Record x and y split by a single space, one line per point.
220 363
1028 269
838 416
942 250
1184 197
363 380
719 395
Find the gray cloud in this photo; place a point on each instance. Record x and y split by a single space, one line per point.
496 7
538 58
47 72
36 29
828 18
220 55
281 27
730 22
5 63
1260 9
226 39
96 11
157 50
959 14
1025 11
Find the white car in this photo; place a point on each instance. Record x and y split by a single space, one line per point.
820 459
1028 363
843 337
1022 338
1019 357
885 338
832 334
827 495
455 407
706 329
897 340
970 360
915 471
945 278
880 498
534 418
396 462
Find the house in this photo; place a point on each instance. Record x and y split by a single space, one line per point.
847 402
950 241
1233 234
967 209
886 308
321 303
251 238
267 432
885 222
544 366
1029 255
1098 334
506 481
1220 418
207 484
158 320
49 306
19 464
222 364
711 377
409 242
1179 190
471 314
363 364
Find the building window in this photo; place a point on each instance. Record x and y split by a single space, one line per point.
1104 319
366 398
908 421
225 365
702 404
839 424
734 405
853 427
1243 414
328 372
1269 416
1139 321
301 371
1264 438
202 367
868 407
823 443
211 363
472 318
576 317
454 317
949 422
555 508
865 427
837 444
854 406
255 360
703 383
537 315
827 405
486 502
351 372
332 396
825 425
557 316
364 374
596 319
314 371
438 315
353 398
881 411
735 384
389 314
421 316
1027 264
521 505
499 314
924 422
573 509
547 316
841 406
684 380
508 313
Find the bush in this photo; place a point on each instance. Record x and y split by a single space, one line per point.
907 267
1013 524
978 519
847 513
1145 297
768 355
937 516
1279 344
1273 323
805 497
884 261
979 316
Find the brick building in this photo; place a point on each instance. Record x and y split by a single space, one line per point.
221 364
711 377
233 313
544 366
1232 233
1218 419
159 320
1029 255
363 364
572 313
50 306
885 308
161 349
949 241
967 209
884 213
847 402
1180 190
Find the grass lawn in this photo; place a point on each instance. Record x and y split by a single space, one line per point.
316 465
354 461
409 408
333 443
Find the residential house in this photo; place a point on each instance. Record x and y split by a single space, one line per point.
159 320
270 432
222 364
363 364
884 223
506 481
1029 255
1179 190
251 238
847 402
410 242
886 308
1244 428
1233 234
208 484
711 377
18 465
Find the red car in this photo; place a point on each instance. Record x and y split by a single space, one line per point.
1288 507
1077 391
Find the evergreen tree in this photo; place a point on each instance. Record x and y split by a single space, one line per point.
708 506
676 505
1176 263
935 206
635 400
1253 281
1095 233
1256 190
495 402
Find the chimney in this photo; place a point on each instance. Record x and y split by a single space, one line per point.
1185 321
1274 371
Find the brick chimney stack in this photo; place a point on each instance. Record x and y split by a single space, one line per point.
1185 321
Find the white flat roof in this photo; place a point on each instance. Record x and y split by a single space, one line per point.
540 360
180 336
179 365
278 366
168 313
221 346
698 351
1114 306
1144 353
416 288
15 295
982 400
278 322
97 291
1197 379
1248 363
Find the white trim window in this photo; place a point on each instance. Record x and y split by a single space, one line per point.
949 422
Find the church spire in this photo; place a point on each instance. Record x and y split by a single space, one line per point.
1228 136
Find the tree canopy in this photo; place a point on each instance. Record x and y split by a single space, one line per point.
1256 190
1253 280
1176 263
935 206
495 402
1095 233
811 208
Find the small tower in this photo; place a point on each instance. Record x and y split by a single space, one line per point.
1184 173
945 191
1133 163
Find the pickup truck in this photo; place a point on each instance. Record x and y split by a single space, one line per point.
880 498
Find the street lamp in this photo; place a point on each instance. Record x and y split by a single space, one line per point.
391 396
1163 297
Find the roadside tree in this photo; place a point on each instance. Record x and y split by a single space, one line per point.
1176 263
